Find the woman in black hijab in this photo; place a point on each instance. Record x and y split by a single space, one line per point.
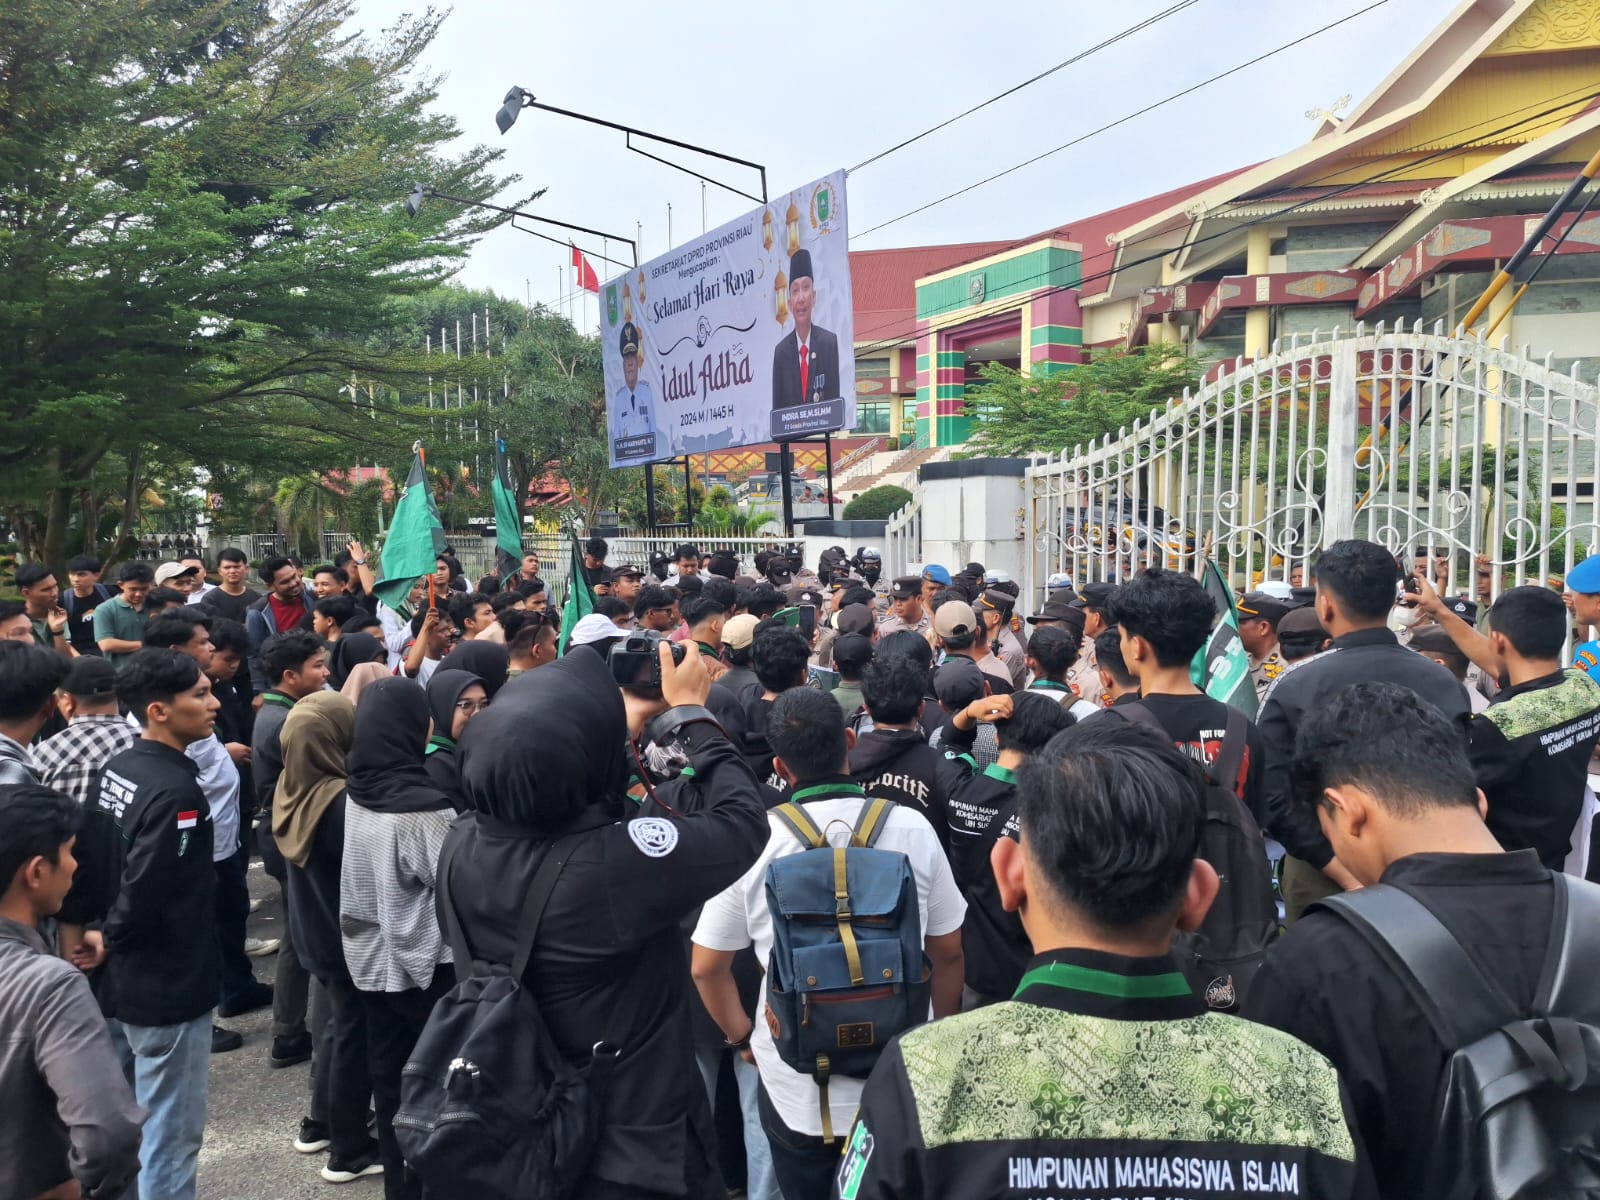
489 661
545 769
454 699
350 651
395 825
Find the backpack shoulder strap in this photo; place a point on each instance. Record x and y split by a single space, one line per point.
1566 986
874 816
800 824
539 892
1230 756
1138 714
453 935
1458 999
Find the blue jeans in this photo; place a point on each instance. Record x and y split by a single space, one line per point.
760 1182
166 1066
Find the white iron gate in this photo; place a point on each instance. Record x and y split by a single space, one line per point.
1484 459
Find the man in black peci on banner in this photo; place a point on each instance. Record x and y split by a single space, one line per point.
805 366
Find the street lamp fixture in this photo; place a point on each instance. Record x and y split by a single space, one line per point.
420 193
519 98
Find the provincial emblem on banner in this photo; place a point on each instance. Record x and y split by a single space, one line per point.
822 207
611 305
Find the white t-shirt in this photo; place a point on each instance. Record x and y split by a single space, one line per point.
738 917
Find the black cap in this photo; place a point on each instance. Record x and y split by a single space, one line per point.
809 596
630 339
1463 607
998 602
800 266
1059 610
1433 640
1264 605
724 563
906 587
958 681
627 570
1096 595
90 677
852 651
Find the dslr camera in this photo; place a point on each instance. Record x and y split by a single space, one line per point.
636 662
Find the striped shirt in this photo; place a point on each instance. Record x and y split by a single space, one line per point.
72 760
387 923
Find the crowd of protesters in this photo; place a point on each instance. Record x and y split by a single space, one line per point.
807 882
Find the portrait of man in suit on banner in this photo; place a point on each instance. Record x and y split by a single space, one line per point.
805 366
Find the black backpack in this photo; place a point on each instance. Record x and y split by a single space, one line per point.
1519 1101
489 1107
1224 954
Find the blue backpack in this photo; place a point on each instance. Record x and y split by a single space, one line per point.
847 971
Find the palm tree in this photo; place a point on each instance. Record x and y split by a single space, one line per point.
307 505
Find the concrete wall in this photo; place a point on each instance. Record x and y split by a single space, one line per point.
972 511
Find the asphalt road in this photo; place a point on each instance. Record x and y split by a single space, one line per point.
253 1112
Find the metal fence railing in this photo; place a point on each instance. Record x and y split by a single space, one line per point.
1483 457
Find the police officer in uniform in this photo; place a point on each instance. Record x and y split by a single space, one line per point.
1084 678
635 402
1259 614
905 599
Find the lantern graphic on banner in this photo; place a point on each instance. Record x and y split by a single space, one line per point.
766 230
792 217
641 287
780 286
627 302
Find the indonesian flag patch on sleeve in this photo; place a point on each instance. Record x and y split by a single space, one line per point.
188 820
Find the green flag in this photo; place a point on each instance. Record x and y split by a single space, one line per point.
416 537
507 522
1221 669
580 597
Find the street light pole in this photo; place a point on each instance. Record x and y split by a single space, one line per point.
419 193
519 98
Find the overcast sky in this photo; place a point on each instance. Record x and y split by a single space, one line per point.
809 88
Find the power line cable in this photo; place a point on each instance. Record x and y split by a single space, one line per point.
1011 91
1149 108
897 338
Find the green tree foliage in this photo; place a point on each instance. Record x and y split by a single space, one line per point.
1020 415
877 504
201 232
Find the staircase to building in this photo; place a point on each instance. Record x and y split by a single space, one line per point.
898 468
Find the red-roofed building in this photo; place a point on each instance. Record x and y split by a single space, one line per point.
1397 212
927 316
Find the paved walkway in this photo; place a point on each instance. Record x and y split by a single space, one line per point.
254 1111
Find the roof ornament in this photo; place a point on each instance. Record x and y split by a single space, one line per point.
1331 113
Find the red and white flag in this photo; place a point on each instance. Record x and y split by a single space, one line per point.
583 272
188 820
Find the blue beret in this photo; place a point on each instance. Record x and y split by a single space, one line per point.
1585 577
941 575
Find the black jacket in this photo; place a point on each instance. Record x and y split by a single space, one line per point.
1102 1079
896 764
1325 985
977 795
1530 753
610 950
822 377
1367 654
312 892
161 946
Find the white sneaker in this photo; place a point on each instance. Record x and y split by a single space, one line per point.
261 947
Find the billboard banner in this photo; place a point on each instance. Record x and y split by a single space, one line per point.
741 336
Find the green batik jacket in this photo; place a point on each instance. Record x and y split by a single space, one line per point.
1105 1079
